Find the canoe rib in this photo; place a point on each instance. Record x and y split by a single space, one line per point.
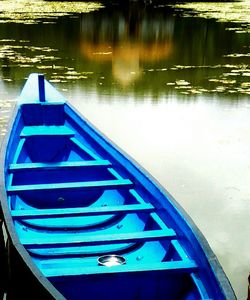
84 148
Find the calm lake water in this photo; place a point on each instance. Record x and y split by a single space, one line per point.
170 87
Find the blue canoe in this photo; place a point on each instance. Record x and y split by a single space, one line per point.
86 222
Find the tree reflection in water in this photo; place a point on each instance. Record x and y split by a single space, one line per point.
139 50
127 39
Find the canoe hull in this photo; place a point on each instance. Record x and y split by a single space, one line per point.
22 283
77 197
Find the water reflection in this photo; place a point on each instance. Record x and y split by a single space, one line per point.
133 50
129 40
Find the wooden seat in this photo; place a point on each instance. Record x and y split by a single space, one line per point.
169 266
86 185
58 165
29 131
99 239
80 211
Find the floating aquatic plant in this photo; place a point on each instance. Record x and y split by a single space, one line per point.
30 12
235 12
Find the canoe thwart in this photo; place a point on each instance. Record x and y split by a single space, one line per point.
80 211
58 165
85 185
105 239
46 130
169 266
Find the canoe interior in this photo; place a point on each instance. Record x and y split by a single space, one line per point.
72 201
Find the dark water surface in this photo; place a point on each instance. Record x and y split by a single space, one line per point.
169 88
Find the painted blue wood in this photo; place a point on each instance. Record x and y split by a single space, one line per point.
34 114
101 184
85 149
41 88
81 251
135 194
30 92
200 286
80 211
179 249
77 240
159 221
73 196
170 267
46 130
18 151
58 165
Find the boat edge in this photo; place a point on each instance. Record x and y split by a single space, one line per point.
220 275
8 221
